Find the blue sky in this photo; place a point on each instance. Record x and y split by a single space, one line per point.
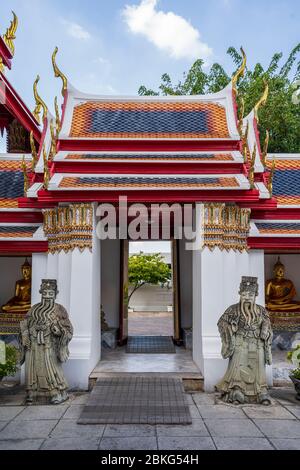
112 47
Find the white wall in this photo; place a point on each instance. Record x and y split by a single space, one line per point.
10 272
110 280
292 268
150 298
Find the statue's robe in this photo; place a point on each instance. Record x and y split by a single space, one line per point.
45 334
248 353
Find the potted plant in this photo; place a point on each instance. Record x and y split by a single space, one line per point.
294 357
11 360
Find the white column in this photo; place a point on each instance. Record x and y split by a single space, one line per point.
216 280
64 269
39 272
84 311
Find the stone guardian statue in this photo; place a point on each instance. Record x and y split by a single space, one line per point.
246 335
45 334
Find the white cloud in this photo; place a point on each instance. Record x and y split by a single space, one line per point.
169 32
75 30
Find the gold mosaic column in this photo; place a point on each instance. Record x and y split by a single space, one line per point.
226 226
69 227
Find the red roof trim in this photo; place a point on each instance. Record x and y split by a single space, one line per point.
142 145
148 196
278 214
17 107
262 205
147 167
5 53
274 243
19 217
18 247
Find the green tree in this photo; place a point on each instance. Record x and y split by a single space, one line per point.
147 269
279 116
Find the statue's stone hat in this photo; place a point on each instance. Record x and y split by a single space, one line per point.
249 283
48 284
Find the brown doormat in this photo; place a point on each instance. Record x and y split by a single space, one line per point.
137 400
150 345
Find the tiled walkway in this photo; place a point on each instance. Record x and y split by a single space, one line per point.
150 323
215 426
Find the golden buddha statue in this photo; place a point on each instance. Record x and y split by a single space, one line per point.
280 292
21 302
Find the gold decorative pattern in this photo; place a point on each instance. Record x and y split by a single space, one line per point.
40 104
46 169
271 177
26 179
265 149
241 117
57 118
240 72
2 68
245 143
251 169
262 100
58 73
226 226
10 34
33 152
69 227
53 141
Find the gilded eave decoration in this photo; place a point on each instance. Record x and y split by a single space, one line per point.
69 227
226 227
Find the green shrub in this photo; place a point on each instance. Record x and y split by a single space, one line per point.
294 357
10 366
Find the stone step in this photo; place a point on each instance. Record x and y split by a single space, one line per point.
192 382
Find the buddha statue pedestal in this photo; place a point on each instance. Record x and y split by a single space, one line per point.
15 310
284 311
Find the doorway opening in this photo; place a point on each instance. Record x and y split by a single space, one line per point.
150 289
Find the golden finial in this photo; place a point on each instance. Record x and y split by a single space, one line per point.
262 100
58 73
271 177
53 141
251 170
26 179
46 169
33 152
265 149
40 104
240 72
10 34
57 118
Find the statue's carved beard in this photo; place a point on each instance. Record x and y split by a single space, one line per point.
42 310
248 310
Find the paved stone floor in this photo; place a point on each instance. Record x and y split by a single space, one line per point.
215 426
150 323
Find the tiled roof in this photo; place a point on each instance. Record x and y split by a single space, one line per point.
140 182
278 227
152 156
149 119
17 231
11 183
286 182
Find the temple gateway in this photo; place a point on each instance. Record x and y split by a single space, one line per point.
196 151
